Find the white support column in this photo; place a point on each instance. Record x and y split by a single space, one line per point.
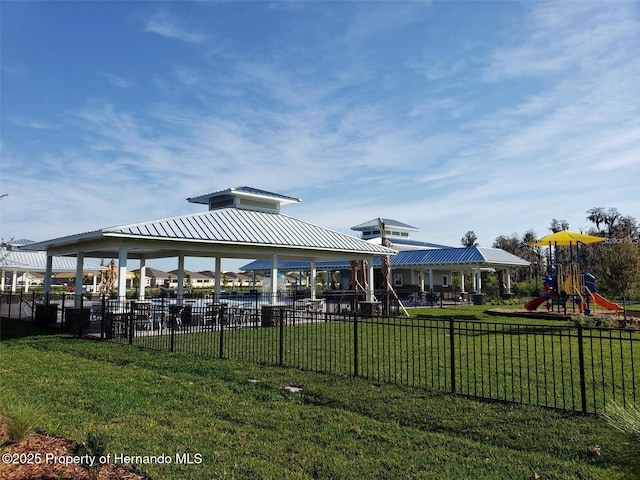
274 279
14 282
25 281
122 272
143 278
509 280
180 290
461 281
327 281
79 279
421 280
218 281
478 280
431 280
47 274
370 285
95 282
2 281
312 280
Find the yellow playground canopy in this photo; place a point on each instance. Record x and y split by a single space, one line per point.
566 239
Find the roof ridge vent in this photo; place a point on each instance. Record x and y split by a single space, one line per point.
247 198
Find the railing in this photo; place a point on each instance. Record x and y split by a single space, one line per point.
569 368
572 368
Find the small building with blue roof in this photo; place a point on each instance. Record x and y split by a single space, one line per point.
417 265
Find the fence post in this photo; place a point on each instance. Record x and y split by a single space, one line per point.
33 307
80 327
103 318
132 323
9 307
452 356
172 325
583 382
355 344
221 321
281 337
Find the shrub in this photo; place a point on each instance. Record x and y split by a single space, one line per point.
528 288
20 422
604 321
94 445
627 420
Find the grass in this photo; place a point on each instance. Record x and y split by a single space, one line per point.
245 424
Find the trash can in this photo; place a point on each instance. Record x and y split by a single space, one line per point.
272 315
370 309
46 313
478 298
76 319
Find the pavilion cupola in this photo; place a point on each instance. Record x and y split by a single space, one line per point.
392 228
246 198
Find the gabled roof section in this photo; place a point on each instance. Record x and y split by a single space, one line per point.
398 243
375 223
23 261
481 256
236 226
234 232
18 243
438 258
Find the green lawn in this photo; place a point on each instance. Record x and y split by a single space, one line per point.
244 423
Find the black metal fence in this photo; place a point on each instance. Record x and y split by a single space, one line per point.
572 368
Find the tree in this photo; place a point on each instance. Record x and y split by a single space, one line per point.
558 225
522 248
508 244
470 239
626 228
618 228
532 254
610 219
596 215
618 269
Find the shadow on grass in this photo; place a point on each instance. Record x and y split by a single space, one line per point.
13 329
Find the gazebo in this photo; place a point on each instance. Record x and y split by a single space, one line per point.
241 222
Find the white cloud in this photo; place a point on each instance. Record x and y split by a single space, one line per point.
170 26
37 125
14 71
116 80
563 36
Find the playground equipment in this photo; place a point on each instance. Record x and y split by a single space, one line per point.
565 282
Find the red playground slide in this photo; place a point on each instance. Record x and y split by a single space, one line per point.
603 302
535 303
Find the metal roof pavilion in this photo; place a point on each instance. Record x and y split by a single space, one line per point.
245 224
481 257
22 261
231 232
17 260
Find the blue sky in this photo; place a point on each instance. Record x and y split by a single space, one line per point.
451 116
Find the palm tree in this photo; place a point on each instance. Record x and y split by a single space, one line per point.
596 215
470 239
